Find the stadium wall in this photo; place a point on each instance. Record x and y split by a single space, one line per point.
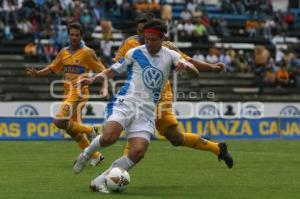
42 128
252 120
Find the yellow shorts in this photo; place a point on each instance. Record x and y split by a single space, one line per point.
165 116
71 108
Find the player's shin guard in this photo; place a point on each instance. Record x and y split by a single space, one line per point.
126 149
195 141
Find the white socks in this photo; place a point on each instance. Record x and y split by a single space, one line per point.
123 162
93 147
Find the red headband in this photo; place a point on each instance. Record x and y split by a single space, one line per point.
153 30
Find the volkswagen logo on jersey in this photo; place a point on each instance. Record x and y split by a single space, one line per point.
290 111
26 110
153 78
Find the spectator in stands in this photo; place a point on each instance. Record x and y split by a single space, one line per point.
268 27
265 7
145 6
166 12
186 30
281 25
282 76
226 59
97 13
238 6
279 56
212 56
2 26
206 22
86 21
191 6
185 15
251 27
10 7
198 56
226 6
30 51
7 33
65 4
222 28
106 45
241 63
28 8
251 6
25 26
127 9
106 27
261 60
289 19
201 32
62 37
269 77
50 51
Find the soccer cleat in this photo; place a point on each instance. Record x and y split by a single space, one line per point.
80 163
98 188
95 161
94 134
225 155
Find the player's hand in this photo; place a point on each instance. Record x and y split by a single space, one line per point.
31 72
103 91
219 67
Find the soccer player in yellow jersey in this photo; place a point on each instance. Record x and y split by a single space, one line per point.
75 62
166 121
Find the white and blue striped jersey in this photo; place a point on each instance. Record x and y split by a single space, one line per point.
146 77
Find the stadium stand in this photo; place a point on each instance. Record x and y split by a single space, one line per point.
245 32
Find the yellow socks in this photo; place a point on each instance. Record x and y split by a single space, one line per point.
196 142
75 127
126 149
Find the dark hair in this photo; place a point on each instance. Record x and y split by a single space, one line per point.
156 24
144 17
76 26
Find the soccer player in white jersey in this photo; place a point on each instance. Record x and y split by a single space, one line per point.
133 109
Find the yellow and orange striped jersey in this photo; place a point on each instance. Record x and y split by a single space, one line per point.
76 65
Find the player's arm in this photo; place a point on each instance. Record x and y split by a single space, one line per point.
55 67
32 72
117 68
95 64
186 66
204 66
200 65
181 64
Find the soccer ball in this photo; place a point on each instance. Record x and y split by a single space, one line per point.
117 179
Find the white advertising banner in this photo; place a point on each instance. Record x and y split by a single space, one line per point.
182 109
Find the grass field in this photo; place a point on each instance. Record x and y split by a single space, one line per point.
263 169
